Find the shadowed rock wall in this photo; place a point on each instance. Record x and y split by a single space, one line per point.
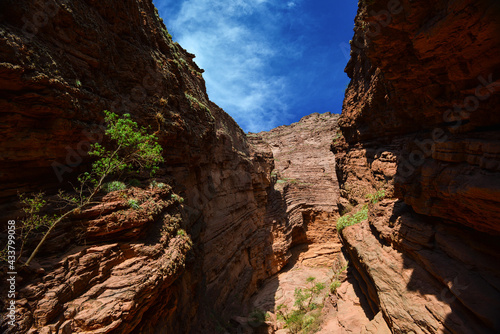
62 64
420 119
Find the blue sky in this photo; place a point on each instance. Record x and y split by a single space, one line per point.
267 62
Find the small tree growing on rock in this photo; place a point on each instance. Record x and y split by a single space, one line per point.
130 149
305 317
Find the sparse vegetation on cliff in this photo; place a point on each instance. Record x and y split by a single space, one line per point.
377 196
349 220
336 281
130 149
113 186
362 214
193 101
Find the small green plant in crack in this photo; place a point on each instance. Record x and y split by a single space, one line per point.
113 186
134 204
287 180
337 136
352 219
335 281
194 101
155 184
362 214
177 198
334 285
376 197
181 232
183 62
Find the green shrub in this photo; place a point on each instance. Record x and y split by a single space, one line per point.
129 148
181 232
348 219
306 315
379 195
159 185
113 186
134 204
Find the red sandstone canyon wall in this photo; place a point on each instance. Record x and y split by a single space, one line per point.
420 120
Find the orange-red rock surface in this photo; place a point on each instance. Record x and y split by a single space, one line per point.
420 120
305 183
110 269
58 72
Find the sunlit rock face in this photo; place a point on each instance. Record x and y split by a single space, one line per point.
420 120
305 183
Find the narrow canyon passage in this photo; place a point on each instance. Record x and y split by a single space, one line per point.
305 190
403 185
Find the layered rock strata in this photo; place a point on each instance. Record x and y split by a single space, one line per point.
420 121
62 65
304 180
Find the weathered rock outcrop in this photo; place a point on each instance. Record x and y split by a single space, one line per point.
108 287
420 120
301 210
305 184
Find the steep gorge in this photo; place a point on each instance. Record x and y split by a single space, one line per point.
259 210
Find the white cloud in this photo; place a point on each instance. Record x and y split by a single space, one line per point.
235 41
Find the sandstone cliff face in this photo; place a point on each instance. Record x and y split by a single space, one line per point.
420 120
62 64
301 211
304 180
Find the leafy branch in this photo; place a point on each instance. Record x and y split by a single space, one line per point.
305 317
130 149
